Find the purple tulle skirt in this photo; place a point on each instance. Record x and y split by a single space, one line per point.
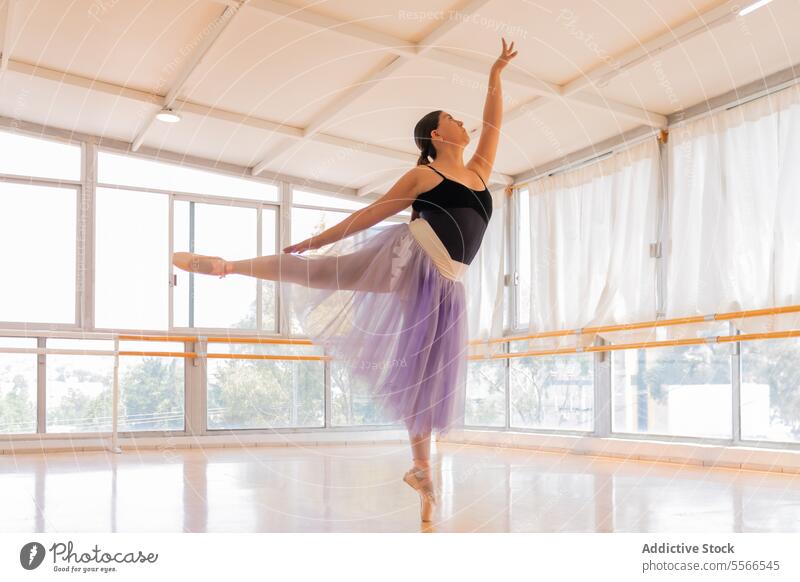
380 306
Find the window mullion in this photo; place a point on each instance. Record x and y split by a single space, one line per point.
85 279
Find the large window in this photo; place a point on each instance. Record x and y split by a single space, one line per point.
79 388
584 243
771 390
17 387
312 213
131 260
486 393
351 401
307 198
38 229
132 275
39 158
38 232
726 221
733 236
675 391
552 392
151 388
222 230
261 393
139 172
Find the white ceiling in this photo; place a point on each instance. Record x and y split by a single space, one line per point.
248 92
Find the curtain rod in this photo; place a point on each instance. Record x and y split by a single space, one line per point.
629 143
585 161
736 102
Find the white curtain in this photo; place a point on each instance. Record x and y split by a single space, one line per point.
484 281
590 234
734 212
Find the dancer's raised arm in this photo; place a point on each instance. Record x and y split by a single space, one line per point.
399 197
483 159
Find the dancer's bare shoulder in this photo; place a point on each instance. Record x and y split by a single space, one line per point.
425 179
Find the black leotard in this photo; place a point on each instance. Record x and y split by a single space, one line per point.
457 214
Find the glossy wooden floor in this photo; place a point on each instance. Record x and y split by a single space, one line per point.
358 488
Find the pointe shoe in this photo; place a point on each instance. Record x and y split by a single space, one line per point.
420 479
204 264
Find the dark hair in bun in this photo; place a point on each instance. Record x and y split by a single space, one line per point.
422 136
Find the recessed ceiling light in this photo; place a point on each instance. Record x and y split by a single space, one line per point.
168 115
753 6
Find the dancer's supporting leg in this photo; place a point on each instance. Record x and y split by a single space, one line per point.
421 449
420 476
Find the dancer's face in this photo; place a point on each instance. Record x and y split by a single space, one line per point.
451 130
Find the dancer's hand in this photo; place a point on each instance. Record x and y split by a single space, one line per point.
505 56
305 245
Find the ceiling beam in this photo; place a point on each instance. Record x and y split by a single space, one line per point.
425 50
742 94
600 76
314 128
362 87
358 89
621 110
195 59
205 111
547 91
393 44
611 68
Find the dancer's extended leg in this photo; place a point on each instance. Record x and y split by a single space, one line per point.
348 271
339 272
266 267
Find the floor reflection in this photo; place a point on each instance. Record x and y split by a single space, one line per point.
359 489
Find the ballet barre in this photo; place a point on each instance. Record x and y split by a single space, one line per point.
204 340
646 324
642 325
643 345
116 353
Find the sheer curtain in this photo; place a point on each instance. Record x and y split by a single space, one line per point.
733 234
484 281
589 232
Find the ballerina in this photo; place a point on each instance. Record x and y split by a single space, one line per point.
389 302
